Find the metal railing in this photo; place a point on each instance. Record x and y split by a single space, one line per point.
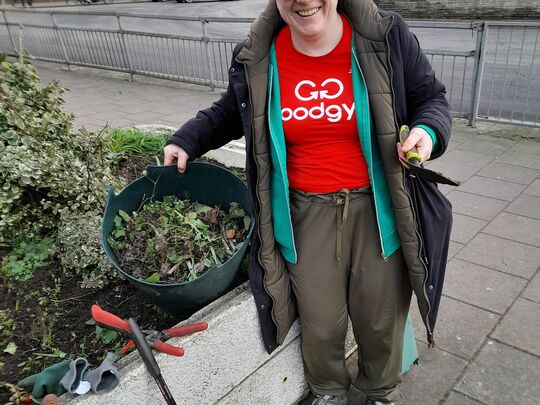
509 74
495 78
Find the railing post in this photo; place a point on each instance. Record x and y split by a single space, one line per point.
59 35
209 57
123 47
9 32
478 71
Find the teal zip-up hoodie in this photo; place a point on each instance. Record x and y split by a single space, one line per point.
281 217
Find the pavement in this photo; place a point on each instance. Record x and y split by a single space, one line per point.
488 331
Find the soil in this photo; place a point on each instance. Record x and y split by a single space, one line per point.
53 309
47 316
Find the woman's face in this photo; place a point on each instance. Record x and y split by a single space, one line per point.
309 19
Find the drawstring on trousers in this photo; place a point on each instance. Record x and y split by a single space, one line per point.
342 209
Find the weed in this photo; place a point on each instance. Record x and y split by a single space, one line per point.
124 141
26 257
177 240
30 363
106 335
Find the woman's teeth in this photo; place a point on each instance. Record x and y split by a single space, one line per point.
308 13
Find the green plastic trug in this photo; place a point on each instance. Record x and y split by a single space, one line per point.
203 182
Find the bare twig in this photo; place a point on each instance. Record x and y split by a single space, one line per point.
76 298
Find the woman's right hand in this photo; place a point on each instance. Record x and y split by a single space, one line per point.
175 154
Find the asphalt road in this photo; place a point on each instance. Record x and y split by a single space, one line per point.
511 85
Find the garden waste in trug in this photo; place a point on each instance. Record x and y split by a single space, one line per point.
174 241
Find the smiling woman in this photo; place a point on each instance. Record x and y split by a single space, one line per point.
315 25
320 89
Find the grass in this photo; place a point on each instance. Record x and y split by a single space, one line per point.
137 141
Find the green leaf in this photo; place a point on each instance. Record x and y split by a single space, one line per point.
11 348
119 232
174 257
106 335
124 215
201 208
154 278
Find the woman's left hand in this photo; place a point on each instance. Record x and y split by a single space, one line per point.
420 139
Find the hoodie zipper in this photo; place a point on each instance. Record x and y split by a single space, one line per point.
431 341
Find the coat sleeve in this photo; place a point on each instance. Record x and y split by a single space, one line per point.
212 127
425 94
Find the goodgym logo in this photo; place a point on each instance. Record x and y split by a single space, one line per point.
307 91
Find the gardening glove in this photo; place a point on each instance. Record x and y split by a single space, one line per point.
104 378
46 382
72 380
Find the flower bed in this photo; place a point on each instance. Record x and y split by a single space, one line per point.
53 186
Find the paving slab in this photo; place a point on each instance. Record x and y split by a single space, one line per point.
488 145
457 172
520 158
514 174
485 288
474 205
532 292
465 228
465 157
515 227
502 375
446 189
525 205
109 97
512 330
461 329
502 254
427 383
457 398
533 189
461 132
502 190
145 116
454 248
531 145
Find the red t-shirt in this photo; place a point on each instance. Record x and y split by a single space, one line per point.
318 111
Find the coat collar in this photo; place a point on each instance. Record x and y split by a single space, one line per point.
363 15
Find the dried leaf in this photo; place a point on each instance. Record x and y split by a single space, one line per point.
213 215
230 233
11 348
173 269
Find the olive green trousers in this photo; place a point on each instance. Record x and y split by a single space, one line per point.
341 273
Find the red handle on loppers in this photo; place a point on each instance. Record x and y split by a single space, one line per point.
108 320
167 348
186 329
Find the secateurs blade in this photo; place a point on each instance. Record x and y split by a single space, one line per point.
413 162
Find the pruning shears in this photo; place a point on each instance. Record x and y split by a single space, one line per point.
413 162
147 340
154 338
